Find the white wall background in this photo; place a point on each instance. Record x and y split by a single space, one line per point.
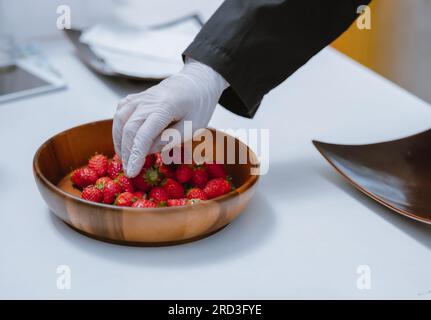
26 19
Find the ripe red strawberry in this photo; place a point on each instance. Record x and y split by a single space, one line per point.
111 191
114 169
140 195
125 183
125 199
217 187
174 189
92 193
99 163
158 161
184 173
101 182
200 177
166 171
116 158
196 193
176 202
158 194
84 177
215 170
147 178
149 161
144 203
140 184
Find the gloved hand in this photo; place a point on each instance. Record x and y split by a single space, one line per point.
190 95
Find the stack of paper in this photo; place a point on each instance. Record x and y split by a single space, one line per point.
145 53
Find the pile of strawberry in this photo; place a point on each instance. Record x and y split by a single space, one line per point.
157 185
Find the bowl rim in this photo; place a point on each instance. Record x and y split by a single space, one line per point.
252 179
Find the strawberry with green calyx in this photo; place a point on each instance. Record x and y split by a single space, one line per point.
152 176
230 180
92 193
161 204
217 187
114 169
144 203
111 191
125 199
101 182
174 189
196 193
164 169
140 195
184 173
125 183
147 178
99 163
158 194
84 177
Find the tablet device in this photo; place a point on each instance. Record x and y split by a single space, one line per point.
26 77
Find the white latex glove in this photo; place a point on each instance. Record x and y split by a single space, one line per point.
190 95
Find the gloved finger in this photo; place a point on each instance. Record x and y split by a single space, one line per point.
142 111
126 100
129 133
149 130
122 103
120 119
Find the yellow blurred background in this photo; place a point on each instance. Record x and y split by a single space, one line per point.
398 45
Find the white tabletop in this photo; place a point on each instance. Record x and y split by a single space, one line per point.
303 236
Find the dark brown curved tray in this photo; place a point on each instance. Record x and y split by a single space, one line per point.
396 173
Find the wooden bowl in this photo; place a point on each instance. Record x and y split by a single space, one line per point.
397 173
133 226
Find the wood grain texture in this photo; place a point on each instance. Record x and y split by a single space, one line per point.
71 149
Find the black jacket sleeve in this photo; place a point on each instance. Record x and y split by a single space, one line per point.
256 44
